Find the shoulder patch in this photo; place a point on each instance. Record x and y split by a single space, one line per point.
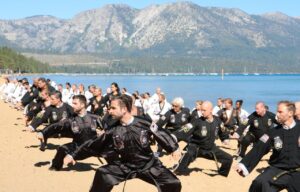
264 138
153 127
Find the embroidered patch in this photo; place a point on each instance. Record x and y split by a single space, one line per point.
264 138
183 118
64 115
163 117
269 122
118 142
244 121
256 124
153 127
187 127
222 126
278 143
172 119
54 116
75 127
144 138
204 131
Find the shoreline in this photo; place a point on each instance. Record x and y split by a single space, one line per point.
152 74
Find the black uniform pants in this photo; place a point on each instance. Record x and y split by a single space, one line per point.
62 151
245 142
193 152
109 175
265 183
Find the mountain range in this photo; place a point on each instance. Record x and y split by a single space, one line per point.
173 29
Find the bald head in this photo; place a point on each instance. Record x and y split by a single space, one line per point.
206 109
260 108
297 113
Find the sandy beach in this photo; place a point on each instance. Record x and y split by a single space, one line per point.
25 168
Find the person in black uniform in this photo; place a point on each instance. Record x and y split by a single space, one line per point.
284 140
176 120
54 113
202 142
35 98
129 142
39 108
81 128
259 123
229 116
196 113
97 103
108 121
31 94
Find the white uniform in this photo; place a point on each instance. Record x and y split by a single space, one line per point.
156 110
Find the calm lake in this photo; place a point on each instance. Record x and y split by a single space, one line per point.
250 88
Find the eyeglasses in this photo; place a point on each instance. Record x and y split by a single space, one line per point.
175 105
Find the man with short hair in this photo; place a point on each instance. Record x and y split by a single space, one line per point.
128 142
159 109
284 140
53 113
81 128
259 123
202 142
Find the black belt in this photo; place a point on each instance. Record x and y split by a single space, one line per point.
285 172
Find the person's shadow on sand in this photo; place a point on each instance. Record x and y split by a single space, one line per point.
48 147
42 163
80 167
77 167
196 169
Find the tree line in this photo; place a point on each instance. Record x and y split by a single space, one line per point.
16 62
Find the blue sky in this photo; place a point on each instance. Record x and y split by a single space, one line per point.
15 9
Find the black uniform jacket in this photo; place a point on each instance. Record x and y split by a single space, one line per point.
258 124
101 104
54 114
204 133
174 121
127 145
285 145
81 129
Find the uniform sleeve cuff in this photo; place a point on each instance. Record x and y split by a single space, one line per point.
31 128
244 169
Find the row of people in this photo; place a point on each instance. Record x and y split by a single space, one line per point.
198 129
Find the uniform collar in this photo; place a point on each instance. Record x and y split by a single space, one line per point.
129 122
291 126
82 115
59 106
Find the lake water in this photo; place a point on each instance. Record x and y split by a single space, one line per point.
250 88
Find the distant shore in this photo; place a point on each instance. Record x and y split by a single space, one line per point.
149 74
